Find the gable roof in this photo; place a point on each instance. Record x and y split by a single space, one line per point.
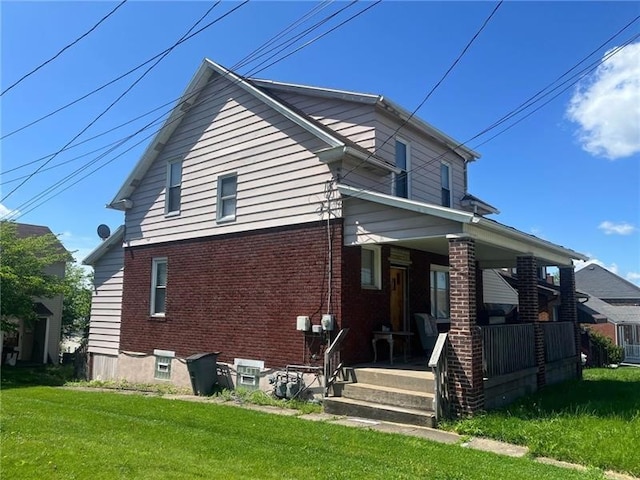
25 230
597 308
115 238
600 282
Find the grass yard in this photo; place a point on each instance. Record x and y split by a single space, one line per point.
56 433
594 422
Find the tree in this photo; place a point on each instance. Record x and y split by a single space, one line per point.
23 276
76 307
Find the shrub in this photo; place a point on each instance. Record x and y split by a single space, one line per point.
603 351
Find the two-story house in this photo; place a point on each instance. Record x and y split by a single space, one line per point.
259 202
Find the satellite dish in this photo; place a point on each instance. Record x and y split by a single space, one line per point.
103 231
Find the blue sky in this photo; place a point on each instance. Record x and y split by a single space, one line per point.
569 173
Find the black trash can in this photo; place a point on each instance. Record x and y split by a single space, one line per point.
203 372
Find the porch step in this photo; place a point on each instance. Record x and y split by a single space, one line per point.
388 395
376 411
413 380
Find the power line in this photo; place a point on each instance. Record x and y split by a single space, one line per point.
434 88
84 167
124 93
64 48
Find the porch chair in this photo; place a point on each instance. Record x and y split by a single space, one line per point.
427 331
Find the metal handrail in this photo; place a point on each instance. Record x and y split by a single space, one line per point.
332 365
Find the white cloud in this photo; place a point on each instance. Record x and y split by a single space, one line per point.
7 213
634 277
622 228
606 106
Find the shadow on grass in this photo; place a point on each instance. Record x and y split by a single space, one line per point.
602 393
29 376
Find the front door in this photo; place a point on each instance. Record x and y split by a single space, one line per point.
398 308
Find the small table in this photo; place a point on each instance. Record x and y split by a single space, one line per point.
389 336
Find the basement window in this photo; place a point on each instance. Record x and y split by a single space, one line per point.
163 364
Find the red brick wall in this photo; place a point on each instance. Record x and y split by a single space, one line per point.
606 329
238 294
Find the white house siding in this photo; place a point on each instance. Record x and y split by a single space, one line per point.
355 121
426 155
280 179
106 306
368 222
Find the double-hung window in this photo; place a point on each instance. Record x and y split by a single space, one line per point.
174 187
401 181
439 292
158 287
445 183
370 267
227 195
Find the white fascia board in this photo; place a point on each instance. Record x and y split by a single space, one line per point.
357 97
168 127
397 202
523 242
403 114
100 250
335 154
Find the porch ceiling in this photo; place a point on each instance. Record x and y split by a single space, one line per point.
371 217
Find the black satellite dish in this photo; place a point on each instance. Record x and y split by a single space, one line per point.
103 231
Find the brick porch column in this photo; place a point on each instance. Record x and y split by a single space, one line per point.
465 355
528 309
568 308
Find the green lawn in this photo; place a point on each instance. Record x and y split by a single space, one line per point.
56 433
594 422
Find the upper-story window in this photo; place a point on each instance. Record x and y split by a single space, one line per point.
445 182
174 187
227 193
401 180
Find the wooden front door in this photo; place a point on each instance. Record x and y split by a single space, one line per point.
398 296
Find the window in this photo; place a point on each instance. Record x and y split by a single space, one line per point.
370 267
401 182
439 292
174 185
162 369
445 182
227 192
159 286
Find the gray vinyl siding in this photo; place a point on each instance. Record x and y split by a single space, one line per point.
369 222
497 290
425 153
280 179
106 302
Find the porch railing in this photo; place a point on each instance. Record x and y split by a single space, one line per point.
332 363
507 349
559 340
632 353
438 364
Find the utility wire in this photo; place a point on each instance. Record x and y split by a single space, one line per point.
64 48
123 94
433 89
20 213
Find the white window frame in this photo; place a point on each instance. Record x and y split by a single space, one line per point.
376 284
155 286
406 169
221 199
168 188
432 290
450 180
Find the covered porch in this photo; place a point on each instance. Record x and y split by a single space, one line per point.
487 358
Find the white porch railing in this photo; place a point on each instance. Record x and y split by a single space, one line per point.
438 364
632 353
507 349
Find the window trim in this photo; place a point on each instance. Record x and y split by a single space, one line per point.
155 286
221 199
377 267
407 168
168 188
438 268
442 187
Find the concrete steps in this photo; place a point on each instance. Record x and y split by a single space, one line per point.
387 394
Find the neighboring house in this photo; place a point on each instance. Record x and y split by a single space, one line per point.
259 202
39 341
613 308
